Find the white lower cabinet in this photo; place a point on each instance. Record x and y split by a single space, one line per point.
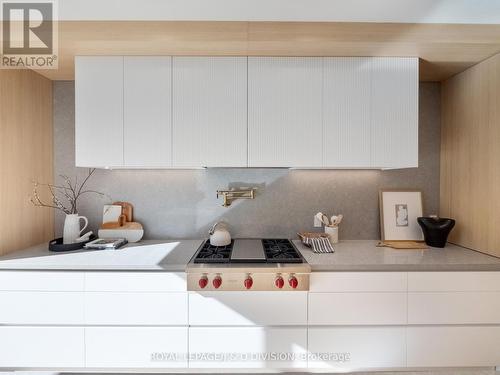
357 308
138 308
52 347
352 348
52 308
248 309
453 346
248 347
136 347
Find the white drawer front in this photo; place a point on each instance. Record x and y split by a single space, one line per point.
242 308
453 346
453 281
41 308
248 347
41 347
136 347
135 281
454 308
358 282
41 281
353 348
357 308
121 308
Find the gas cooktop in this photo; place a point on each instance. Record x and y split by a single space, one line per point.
269 250
271 264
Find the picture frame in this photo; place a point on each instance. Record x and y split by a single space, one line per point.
399 210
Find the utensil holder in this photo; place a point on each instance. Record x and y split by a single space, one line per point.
333 233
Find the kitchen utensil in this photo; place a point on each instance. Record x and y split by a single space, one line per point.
322 218
436 230
219 235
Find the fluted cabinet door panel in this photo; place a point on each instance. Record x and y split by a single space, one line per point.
99 111
346 112
284 111
210 111
394 112
147 85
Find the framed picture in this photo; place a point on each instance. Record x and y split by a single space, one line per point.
399 210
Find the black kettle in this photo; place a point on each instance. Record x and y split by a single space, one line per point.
436 229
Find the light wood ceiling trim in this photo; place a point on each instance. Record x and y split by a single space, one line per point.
445 49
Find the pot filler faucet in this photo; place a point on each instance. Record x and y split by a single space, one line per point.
228 196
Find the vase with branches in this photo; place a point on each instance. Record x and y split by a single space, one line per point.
65 197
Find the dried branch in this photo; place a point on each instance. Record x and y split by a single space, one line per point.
70 191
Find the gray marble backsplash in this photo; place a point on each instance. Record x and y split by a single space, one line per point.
183 204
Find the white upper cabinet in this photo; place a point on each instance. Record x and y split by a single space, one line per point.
346 112
189 112
99 111
394 117
209 111
284 111
147 120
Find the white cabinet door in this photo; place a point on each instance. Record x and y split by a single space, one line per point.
210 111
248 347
284 111
144 308
99 111
347 112
358 282
22 307
248 309
52 347
394 111
136 347
58 281
118 281
354 348
147 111
465 346
454 308
357 308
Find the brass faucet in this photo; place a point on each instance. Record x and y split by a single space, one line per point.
228 196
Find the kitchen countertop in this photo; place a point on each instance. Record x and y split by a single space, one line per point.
173 256
365 256
147 255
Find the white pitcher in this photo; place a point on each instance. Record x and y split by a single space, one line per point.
72 228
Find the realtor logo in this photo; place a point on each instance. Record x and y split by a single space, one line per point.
29 34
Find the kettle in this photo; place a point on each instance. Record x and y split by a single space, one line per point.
219 235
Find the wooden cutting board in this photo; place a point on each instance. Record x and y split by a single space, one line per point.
404 245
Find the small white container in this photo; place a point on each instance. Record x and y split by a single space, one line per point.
333 233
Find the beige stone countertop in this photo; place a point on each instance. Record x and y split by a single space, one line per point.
149 255
365 256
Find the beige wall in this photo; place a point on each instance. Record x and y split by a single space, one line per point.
26 151
470 156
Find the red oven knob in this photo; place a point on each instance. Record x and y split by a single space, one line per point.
294 283
217 282
203 282
279 282
248 282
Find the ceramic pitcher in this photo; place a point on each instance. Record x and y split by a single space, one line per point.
72 228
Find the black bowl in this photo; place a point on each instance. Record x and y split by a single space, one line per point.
436 230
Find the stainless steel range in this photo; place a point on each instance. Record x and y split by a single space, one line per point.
248 264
